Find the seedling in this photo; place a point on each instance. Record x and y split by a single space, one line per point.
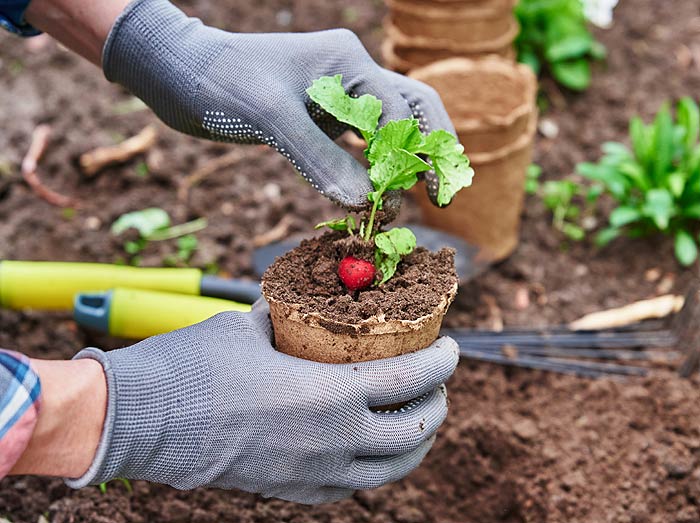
123 481
555 33
153 224
562 198
656 183
397 153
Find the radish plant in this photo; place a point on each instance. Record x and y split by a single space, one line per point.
153 224
397 153
656 182
555 34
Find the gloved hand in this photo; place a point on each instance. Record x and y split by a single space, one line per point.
215 405
251 88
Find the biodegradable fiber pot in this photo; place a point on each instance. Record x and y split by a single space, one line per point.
312 333
459 24
491 102
405 57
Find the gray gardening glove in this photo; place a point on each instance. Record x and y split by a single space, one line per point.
251 88
215 405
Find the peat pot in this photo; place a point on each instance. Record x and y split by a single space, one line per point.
461 24
317 337
404 54
492 104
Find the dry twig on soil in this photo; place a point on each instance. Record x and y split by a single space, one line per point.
94 161
210 167
30 163
277 233
658 307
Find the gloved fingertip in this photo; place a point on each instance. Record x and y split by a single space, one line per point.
432 187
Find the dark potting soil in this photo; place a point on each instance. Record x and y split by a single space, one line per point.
308 276
517 446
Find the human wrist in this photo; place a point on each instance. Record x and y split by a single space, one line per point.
70 421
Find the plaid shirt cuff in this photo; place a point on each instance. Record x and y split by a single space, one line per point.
19 407
12 17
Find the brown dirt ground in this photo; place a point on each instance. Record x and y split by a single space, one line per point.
518 446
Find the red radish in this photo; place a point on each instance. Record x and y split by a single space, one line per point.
355 273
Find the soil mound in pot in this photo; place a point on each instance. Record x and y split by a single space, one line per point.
307 276
315 317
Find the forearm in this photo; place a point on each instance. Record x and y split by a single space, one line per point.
80 25
68 430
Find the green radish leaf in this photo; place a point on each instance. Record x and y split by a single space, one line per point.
663 142
688 116
640 140
686 248
397 134
659 207
570 47
146 222
398 169
574 74
361 113
692 211
449 163
676 183
339 224
390 247
624 215
573 231
606 235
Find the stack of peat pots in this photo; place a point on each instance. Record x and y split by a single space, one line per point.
419 32
492 103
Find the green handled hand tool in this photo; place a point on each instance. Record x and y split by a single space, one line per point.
139 314
53 285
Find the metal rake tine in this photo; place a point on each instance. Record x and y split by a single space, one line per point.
540 363
567 352
660 339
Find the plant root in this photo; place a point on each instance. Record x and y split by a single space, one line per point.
94 161
30 163
210 167
277 233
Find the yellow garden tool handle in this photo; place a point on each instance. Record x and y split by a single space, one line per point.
53 285
137 313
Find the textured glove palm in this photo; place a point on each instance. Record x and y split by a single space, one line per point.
251 88
215 405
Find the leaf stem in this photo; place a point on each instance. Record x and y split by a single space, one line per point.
178 230
370 223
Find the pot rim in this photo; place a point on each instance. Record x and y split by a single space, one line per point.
517 72
523 141
371 326
421 42
450 11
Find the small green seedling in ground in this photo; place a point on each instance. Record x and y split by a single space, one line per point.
655 183
397 153
153 224
563 198
555 34
124 481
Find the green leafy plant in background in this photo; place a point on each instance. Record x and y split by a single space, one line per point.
397 153
656 183
554 34
568 201
154 224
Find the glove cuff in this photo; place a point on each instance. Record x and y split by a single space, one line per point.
95 473
157 414
160 54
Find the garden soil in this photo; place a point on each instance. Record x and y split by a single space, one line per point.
308 276
518 446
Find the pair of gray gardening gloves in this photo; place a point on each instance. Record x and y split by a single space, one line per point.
214 404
